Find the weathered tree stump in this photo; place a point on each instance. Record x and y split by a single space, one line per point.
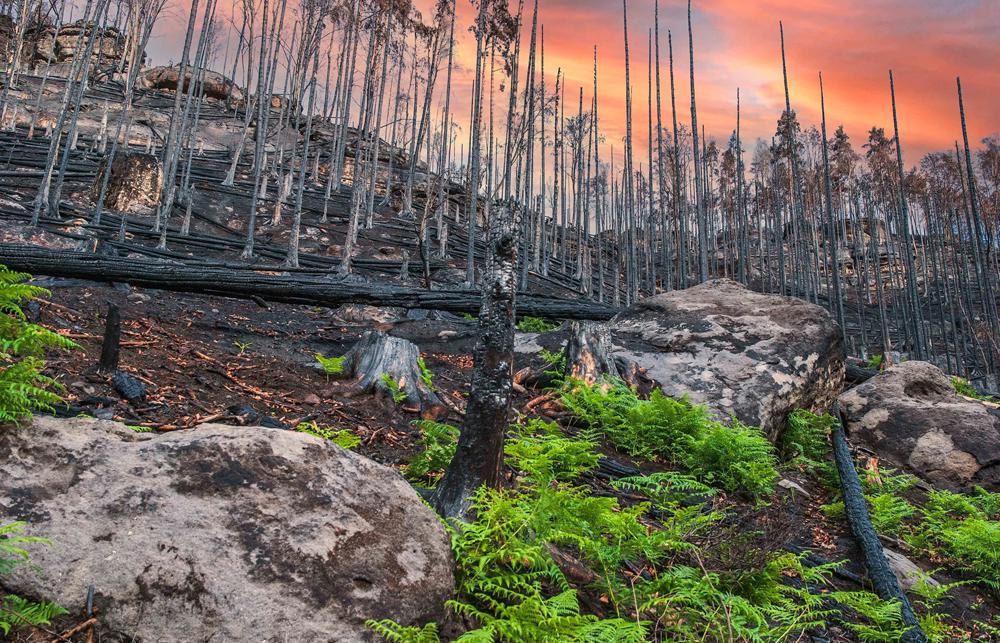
588 352
135 183
377 355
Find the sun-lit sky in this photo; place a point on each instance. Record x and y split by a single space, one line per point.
927 43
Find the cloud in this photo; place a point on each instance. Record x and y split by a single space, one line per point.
854 43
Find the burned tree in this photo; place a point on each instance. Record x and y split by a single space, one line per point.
480 448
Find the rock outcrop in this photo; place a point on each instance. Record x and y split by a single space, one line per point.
742 353
212 83
220 533
45 45
135 184
912 417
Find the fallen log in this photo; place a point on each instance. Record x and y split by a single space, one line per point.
879 572
269 285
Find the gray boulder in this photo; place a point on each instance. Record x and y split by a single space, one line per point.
220 533
742 353
912 417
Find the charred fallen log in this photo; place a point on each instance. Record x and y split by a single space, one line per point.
270 285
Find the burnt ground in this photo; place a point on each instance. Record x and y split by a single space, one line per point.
231 361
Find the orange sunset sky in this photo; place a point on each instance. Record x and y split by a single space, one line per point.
927 43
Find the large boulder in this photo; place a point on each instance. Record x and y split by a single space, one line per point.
220 533
212 84
911 416
742 353
135 184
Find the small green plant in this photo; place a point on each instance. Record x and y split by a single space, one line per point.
425 373
964 387
469 317
14 610
396 390
342 438
536 325
438 442
873 361
556 366
805 444
23 387
242 346
138 428
332 366
393 632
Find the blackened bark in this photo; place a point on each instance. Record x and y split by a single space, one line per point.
882 577
479 454
111 347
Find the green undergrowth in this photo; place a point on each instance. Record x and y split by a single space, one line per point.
332 366
342 437
23 387
960 529
15 611
964 387
639 569
734 457
536 325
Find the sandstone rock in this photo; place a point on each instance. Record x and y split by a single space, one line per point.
912 417
214 84
907 572
220 533
46 45
742 353
135 184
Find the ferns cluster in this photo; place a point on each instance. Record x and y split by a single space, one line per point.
966 529
734 457
964 387
14 610
536 325
511 585
438 442
23 387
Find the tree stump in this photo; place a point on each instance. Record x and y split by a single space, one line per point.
588 352
135 183
377 355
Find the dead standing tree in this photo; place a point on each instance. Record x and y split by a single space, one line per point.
480 447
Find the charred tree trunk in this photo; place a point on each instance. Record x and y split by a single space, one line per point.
231 281
480 447
111 347
882 577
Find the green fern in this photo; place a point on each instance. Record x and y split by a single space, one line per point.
332 366
395 633
438 443
14 610
536 325
20 612
737 457
425 373
23 387
396 391
964 387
